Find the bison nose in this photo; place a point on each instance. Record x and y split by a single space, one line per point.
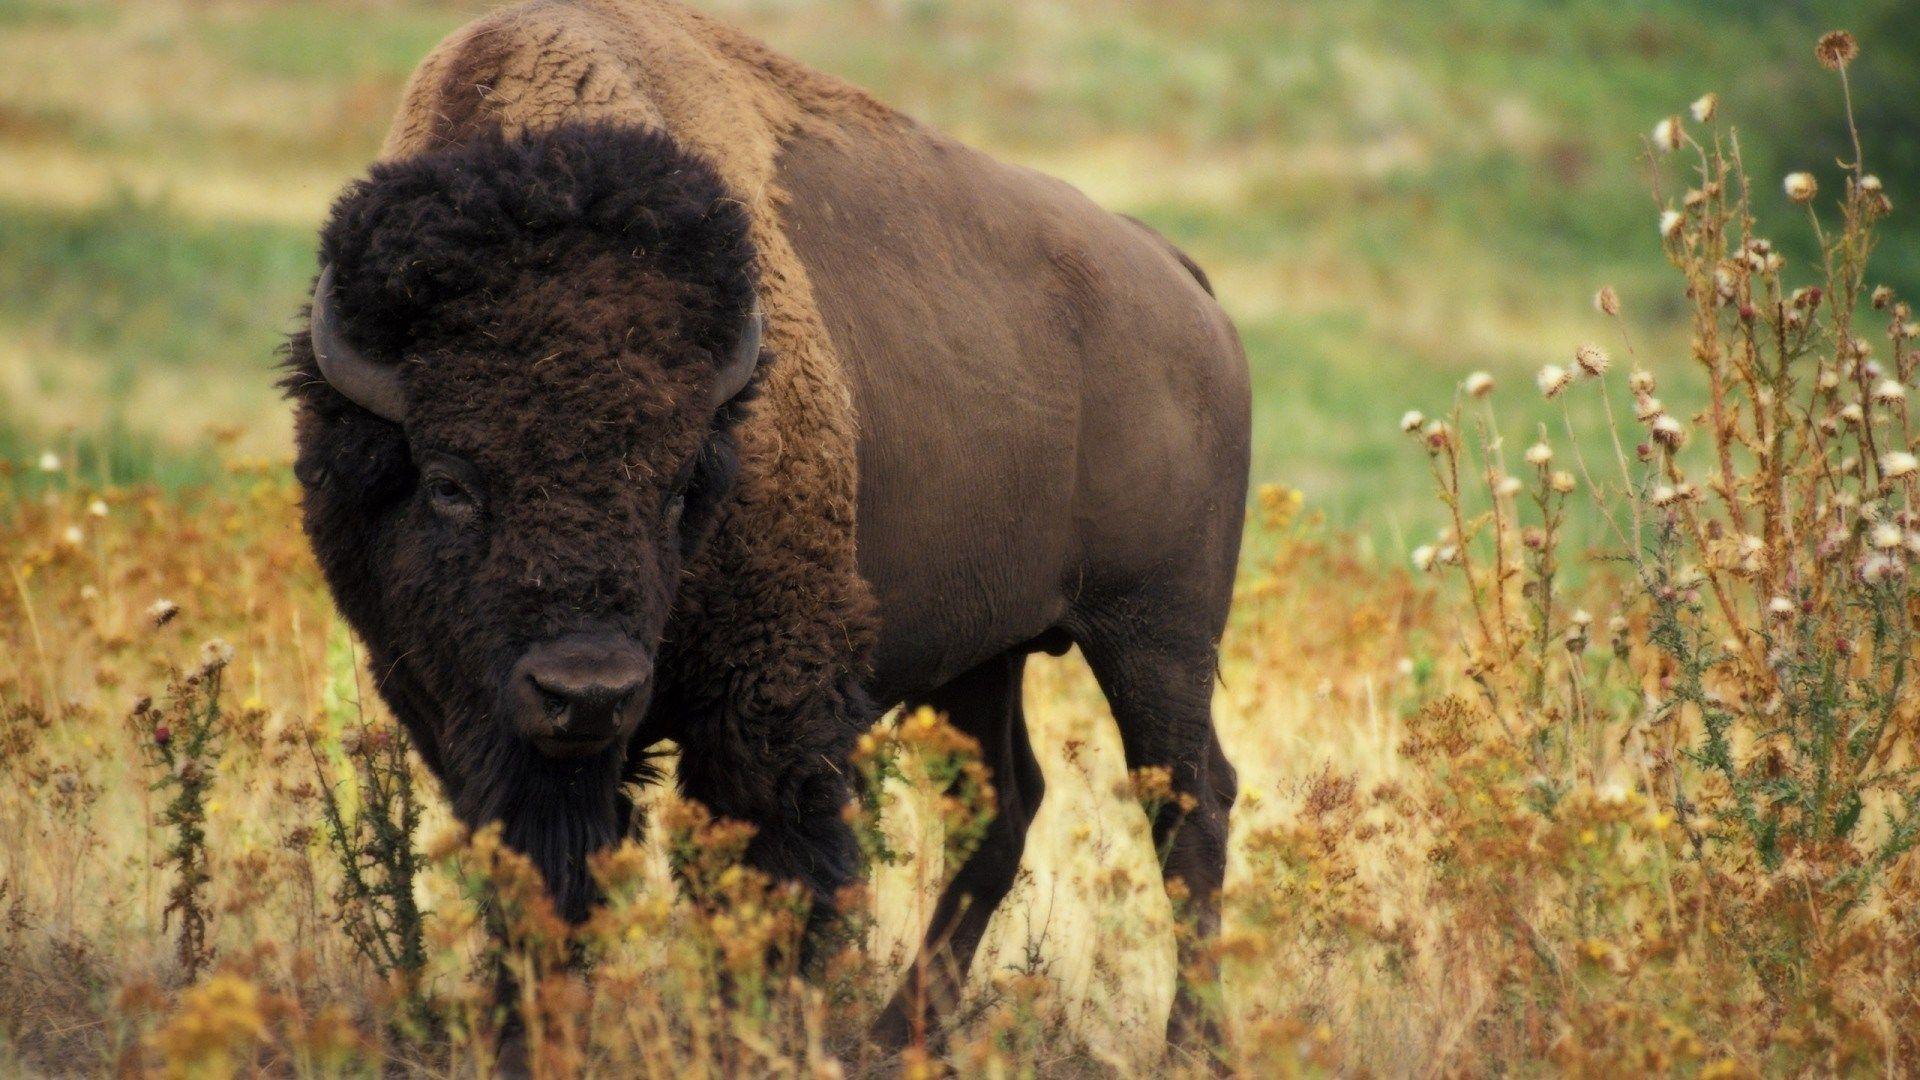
574 695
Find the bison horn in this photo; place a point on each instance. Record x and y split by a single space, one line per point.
737 370
373 386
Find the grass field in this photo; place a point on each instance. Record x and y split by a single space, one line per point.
1388 196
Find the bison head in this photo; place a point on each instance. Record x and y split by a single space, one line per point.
515 402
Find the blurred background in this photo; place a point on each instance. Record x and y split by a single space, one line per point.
1387 195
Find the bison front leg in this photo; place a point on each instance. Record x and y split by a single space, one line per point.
790 780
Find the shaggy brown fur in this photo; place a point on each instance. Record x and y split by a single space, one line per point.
992 418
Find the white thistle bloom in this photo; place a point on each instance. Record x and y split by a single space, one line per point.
1670 222
1887 537
1780 607
1552 379
1801 186
1539 454
1591 359
1898 463
1412 420
1669 135
1889 391
1704 107
1664 495
1851 413
1508 485
1479 384
1423 557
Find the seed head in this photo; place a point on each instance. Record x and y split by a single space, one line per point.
1882 296
1507 485
1889 391
1641 382
1423 557
1606 301
1412 420
1852 414
1669 432
1670 222
1704 107
1478 385
1591 359
1898 463
1552 379
215 655
1669 135
1836 49
1887 536
1539 454
1780 607
161 612
1562 481
1801 186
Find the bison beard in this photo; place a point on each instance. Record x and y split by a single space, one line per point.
554 813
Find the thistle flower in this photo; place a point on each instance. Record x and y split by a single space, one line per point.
1836 49
1412 420
1591 359
1669 432
1670 222
1801 186
1889 391
1539 454
1780 607
1562 481
1507 485
1552 379
161 612
1898 463
1887 536
215 654
1704 107
1664 495
1851 413
1882 296
1641 382
1870 185
1606 301
1479 384
1648 409
1669 135
1877 568
1423 557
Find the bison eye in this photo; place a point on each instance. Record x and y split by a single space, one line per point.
448 497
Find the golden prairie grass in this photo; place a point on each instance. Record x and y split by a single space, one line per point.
1652 816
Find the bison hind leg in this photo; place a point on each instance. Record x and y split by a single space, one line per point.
1156 657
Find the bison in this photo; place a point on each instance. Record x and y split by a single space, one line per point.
656 387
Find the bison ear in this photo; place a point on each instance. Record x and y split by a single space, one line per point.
737 370
373 386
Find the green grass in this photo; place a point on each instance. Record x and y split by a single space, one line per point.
1390 195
